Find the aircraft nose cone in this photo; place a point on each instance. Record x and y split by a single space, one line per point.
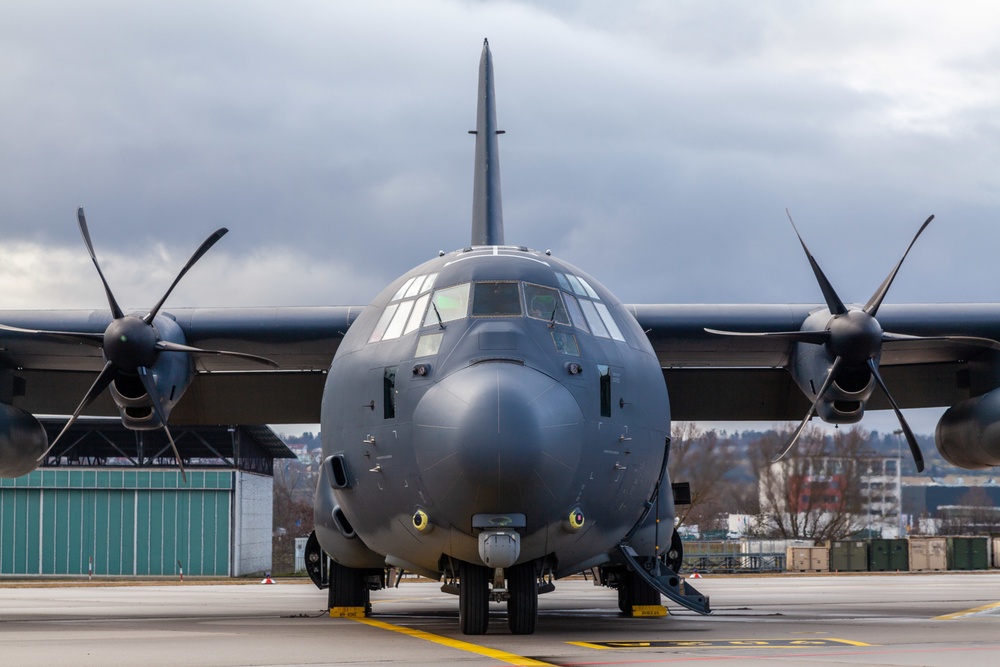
498 438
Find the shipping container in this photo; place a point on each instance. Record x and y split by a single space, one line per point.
968 553
848 556
889 556
808 559
928 554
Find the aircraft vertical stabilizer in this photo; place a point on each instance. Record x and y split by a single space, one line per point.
487 213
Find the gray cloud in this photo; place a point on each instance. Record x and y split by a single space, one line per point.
653 144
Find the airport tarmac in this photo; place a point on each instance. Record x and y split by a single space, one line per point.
906 619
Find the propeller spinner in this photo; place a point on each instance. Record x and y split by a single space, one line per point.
132 344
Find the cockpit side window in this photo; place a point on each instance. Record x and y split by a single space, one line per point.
496 299
609 321
594 319
383 323
544 303
401 317
587 310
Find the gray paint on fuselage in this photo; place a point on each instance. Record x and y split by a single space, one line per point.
555 454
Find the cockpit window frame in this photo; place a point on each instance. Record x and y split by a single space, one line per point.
448 315
489 308
559 314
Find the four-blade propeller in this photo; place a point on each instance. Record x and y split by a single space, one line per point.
853 339
132 344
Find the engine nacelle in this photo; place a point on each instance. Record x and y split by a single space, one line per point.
968 434
172 372
22 441
844 402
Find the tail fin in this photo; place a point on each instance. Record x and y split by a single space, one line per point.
487 213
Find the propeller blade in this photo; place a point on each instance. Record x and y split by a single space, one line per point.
968 340
116 311
167 346
833 301
154 398
813 337
918 456
202 249
830 377
873 303
91 338
105 377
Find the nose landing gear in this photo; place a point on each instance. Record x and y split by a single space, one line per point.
523 586
473 598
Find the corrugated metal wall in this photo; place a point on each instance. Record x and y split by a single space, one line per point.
130 522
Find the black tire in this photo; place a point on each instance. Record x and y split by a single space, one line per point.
625 599
639 593
347 587
522 607
473 598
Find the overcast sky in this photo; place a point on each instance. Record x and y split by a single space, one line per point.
653 144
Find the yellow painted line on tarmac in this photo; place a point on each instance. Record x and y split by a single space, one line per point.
967 612
493 653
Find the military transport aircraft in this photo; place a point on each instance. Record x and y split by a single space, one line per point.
495 418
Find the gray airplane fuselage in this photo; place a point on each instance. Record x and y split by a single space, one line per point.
491 387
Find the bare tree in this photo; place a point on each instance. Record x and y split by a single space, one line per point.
814 492
292 510
702 459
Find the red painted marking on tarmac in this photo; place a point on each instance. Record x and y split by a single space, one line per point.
760 656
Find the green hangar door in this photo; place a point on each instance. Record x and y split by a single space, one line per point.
120 522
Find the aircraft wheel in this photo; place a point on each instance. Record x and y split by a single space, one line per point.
473 598
625 599
522 608
347 588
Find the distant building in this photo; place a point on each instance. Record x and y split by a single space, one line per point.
113 502
825 486
955 504
301 452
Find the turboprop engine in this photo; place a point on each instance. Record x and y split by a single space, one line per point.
169 374
144 381
22 441
968 434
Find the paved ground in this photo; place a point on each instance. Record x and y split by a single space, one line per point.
938 619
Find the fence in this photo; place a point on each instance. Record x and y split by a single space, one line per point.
878 555
734 556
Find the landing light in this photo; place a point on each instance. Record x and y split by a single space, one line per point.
575 520
421 522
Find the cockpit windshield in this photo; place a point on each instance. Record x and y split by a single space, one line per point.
499 299
448 304
576 305
544 303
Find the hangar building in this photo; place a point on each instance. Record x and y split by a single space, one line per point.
112 502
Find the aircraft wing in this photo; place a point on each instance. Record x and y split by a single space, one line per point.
50 373
720 378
